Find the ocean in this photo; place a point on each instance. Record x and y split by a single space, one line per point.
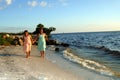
95 51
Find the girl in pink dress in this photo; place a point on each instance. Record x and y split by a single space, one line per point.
27 43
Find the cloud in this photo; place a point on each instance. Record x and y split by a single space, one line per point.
8 2
0 0
43 4
2 7
5 3
37 3
63 2
32 3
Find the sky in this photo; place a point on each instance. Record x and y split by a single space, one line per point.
65 15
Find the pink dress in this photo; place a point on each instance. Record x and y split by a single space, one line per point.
27 44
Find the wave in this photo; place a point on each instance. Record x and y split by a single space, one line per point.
92 65
107 50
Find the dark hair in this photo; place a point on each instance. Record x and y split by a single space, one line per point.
40 29
25 31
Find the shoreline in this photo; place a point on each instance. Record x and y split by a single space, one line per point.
15 66
66 64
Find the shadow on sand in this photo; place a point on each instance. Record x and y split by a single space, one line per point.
8 55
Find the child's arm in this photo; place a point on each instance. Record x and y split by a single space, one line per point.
46 37
36 38
31 39
23 40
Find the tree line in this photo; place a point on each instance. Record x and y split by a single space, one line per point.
45 29
6 40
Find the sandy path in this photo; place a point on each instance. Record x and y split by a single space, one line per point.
14 66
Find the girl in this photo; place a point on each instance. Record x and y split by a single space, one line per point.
27 43
42 37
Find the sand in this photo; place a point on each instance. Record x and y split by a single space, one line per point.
14 66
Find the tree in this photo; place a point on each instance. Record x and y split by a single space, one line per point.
46 30
37 28
40 26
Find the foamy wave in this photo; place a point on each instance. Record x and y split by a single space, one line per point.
87 63
108 50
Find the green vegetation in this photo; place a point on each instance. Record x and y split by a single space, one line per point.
5 41
10 41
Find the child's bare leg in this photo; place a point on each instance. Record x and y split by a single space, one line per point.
40 53
27 54
43 54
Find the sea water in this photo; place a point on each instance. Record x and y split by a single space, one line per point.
95 51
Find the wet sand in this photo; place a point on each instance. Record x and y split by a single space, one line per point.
14 66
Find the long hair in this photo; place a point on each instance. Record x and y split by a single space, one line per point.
25 32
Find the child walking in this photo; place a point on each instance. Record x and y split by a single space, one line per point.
27 43
41 37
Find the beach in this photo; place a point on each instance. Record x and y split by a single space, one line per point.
14 66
